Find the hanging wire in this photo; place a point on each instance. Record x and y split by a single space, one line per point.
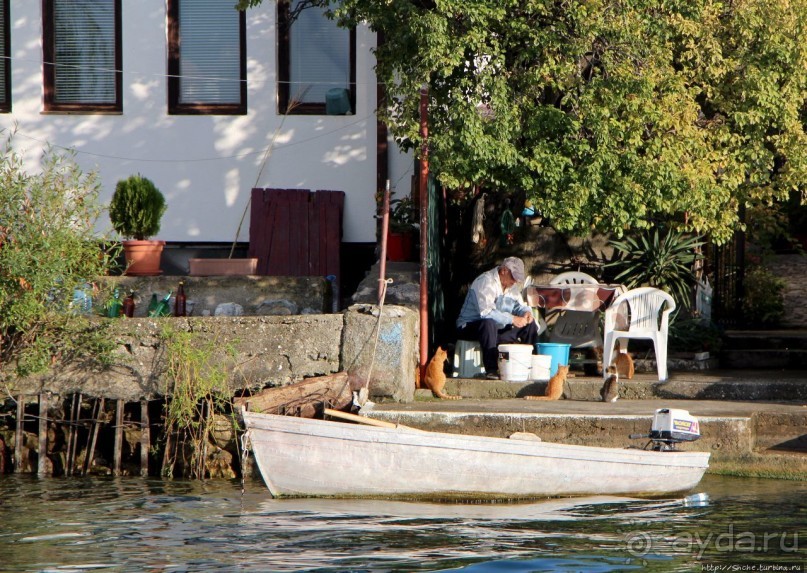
262 151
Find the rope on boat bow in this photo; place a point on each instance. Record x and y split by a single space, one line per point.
246 445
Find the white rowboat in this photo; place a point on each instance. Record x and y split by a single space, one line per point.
306 457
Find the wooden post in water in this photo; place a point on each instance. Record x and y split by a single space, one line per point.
96 423
145 438
72 436
42 458
71 430
18 435
118 449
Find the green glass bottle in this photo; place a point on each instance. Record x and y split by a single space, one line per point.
164 306
153 303
114 307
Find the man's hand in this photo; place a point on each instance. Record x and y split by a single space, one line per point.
522 321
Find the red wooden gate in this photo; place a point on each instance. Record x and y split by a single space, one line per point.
294 232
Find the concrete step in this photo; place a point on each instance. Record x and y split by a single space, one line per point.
785 349
788 358
782 432
744 438
747 385
765 339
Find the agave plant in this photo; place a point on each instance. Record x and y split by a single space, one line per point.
662 260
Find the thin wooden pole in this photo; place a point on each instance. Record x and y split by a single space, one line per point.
205 413
96 423
71 430
18 435
168 456
145 438
72 440
118 448
41 466
382 261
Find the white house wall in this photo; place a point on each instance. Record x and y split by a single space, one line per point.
205 165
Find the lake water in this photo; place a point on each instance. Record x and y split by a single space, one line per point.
151 525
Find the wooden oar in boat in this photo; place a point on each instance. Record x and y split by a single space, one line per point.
366 420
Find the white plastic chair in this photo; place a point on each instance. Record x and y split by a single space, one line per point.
647 317
580 329
573 278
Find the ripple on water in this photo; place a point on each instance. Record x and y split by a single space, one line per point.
133 524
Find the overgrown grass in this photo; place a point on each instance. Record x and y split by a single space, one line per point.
197 388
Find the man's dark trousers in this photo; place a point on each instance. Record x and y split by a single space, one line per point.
489 336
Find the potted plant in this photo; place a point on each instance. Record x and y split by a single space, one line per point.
403 224
135 211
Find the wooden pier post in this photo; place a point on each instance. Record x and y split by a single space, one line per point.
42 458
117 452
18 435
145 438
72 435
96 423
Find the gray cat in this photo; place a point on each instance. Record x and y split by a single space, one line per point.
610 388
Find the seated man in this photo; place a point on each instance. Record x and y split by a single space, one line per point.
494 313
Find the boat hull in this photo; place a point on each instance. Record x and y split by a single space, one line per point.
304 457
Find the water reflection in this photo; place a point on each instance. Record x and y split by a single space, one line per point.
137 524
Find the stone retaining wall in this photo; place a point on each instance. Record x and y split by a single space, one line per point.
253 351
793 269
255 295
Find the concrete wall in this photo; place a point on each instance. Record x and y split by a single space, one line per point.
256 295
793 269
253 352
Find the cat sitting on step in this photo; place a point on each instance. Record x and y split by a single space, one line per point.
610 388
623 362
554 389
435 378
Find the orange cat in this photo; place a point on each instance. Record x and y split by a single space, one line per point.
623 363
554 389
435 379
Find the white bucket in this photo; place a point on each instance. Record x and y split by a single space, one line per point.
541 365
514 362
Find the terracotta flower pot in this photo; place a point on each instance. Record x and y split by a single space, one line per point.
223 267
143 257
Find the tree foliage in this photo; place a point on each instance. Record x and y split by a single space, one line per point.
49 250
662 260
609 114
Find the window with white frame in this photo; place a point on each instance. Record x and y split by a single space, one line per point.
82 55
317 72
207 70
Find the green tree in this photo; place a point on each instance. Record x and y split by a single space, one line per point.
609 115
49 251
